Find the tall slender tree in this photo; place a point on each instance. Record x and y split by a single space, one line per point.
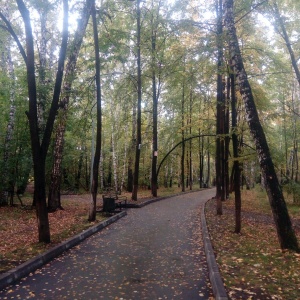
55 184
282 31
220 112
183 137
236 163
155 103
139 105
40 148
96 160
285 232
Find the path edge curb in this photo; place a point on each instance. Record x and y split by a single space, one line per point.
38 261
213 269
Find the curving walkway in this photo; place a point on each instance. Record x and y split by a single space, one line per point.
155 252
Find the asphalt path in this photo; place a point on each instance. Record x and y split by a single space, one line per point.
155 252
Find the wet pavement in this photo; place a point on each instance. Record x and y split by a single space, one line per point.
155 252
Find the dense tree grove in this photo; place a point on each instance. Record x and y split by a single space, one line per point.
163 83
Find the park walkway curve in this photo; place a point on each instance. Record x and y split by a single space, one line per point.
155 252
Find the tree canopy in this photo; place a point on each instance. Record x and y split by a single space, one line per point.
163 67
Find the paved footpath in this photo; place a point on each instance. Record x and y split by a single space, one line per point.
155 252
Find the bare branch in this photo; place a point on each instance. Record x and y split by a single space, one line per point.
9 28
246 14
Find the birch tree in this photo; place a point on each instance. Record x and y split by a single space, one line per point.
220 174
139 105
54 189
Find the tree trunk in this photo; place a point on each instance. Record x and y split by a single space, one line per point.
288 43
208 182
286 40
187 182
39 151
183 142
54 202
79 171
171 170
190 142
154 116
101 170
41 204
114 161
201 160
285 232
54 189
122 181
220 118
131 151
129 176
236 164
42 95
96 161
139 108
227 141
166 176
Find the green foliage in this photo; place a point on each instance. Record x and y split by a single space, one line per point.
292 189
185 63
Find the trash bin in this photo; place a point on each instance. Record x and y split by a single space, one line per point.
109 204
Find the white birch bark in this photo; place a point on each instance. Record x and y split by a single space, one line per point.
101 171
114 161
54 190
114 112
122 180
42 95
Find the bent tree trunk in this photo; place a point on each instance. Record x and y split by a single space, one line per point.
285 232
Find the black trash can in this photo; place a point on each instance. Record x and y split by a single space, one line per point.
109 204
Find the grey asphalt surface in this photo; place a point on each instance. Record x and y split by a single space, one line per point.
155 252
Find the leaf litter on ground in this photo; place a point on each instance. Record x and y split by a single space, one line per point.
18 224
251 263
